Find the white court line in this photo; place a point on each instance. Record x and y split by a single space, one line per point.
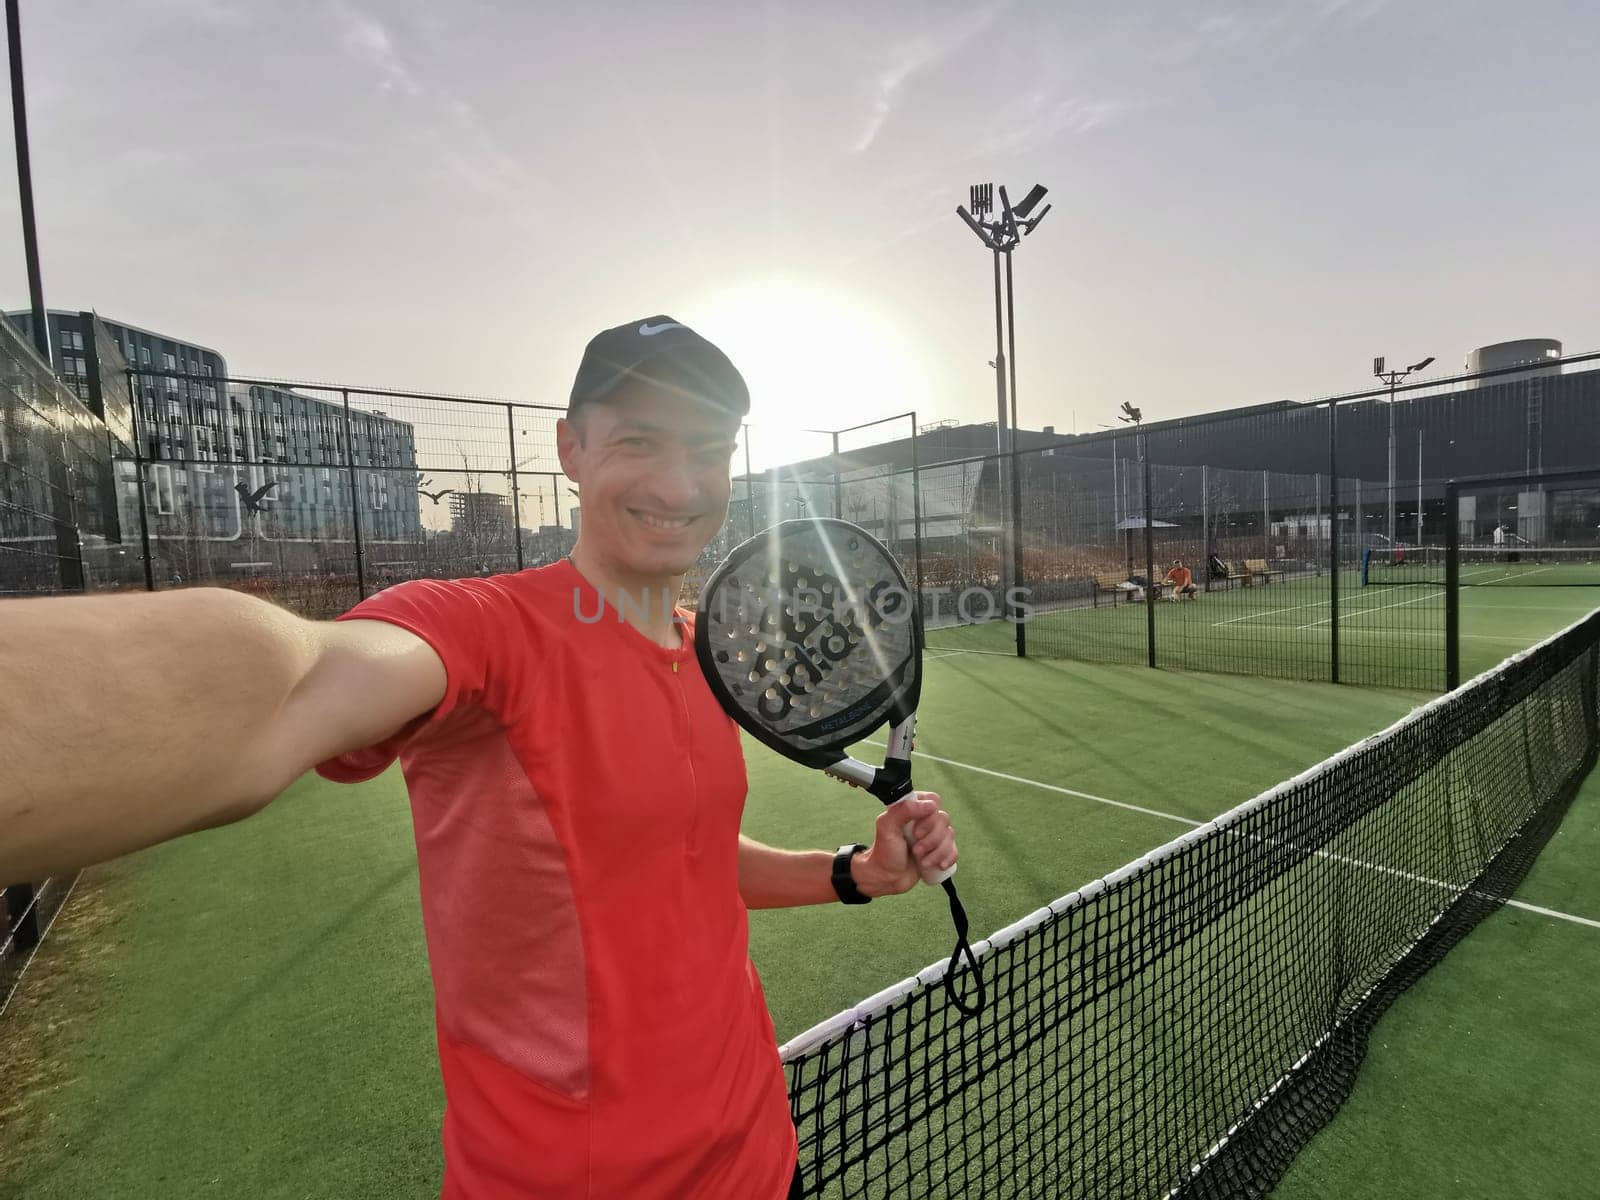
1530 640
1267 613
1519 574
1491 637
1051 787
1166 816
938 653
1581 607
1343 616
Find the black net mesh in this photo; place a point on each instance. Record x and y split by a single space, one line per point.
1487 566
1539 531
1183 1026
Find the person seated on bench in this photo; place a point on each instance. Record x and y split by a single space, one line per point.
1182 581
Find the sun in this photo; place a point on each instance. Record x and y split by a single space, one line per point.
816 358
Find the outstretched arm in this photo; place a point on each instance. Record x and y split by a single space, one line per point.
128 720
771 878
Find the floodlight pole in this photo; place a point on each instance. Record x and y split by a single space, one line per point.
30 235
1002 433
1393 473
1016 466
1393 378
1001 236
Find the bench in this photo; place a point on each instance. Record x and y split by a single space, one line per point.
1258 566
1115 584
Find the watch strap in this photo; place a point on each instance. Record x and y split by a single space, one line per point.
843 882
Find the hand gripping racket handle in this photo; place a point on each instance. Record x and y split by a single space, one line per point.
891 783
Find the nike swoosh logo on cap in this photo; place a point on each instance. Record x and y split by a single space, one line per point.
649 330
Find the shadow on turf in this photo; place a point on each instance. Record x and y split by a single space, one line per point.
1258 1154
124 1099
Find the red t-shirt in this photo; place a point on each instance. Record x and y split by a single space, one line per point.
576 799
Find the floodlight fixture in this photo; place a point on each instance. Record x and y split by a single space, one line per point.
982 199
1031 201
1008 218
1377 365
1420 365
978 228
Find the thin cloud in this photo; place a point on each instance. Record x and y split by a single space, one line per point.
1277 25
479 161
1045 117
366 39
219 14
918 55
468 150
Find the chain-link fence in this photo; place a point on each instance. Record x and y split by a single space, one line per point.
316 495
56 499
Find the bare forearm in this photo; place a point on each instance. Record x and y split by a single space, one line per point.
772 878
126 720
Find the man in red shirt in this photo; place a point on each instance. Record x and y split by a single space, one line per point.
576 795
1182 581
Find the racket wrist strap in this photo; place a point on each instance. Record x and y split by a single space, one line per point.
844 883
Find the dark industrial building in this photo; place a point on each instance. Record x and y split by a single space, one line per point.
1545 418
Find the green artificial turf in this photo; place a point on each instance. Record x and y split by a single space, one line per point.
1389 636
1484 1078
247 1011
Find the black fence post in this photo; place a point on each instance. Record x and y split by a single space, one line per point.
22 916
63 497
355 497
1149 552
1452 588
1333 542
516 493
749 485
1017 584
838 511
139 477
916 509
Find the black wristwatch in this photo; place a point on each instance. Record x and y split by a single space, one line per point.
843 882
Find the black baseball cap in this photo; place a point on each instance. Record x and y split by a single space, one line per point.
659 350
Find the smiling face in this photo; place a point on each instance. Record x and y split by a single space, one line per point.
652 469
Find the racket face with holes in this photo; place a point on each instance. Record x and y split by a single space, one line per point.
810 638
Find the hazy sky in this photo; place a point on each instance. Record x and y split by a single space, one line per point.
1251 199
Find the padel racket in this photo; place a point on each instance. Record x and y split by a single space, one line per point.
811 640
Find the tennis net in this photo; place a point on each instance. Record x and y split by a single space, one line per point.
1183 1026
1486 566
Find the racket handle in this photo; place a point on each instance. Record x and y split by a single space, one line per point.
938 877
941 876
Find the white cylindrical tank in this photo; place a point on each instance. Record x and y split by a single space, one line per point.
1542 354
